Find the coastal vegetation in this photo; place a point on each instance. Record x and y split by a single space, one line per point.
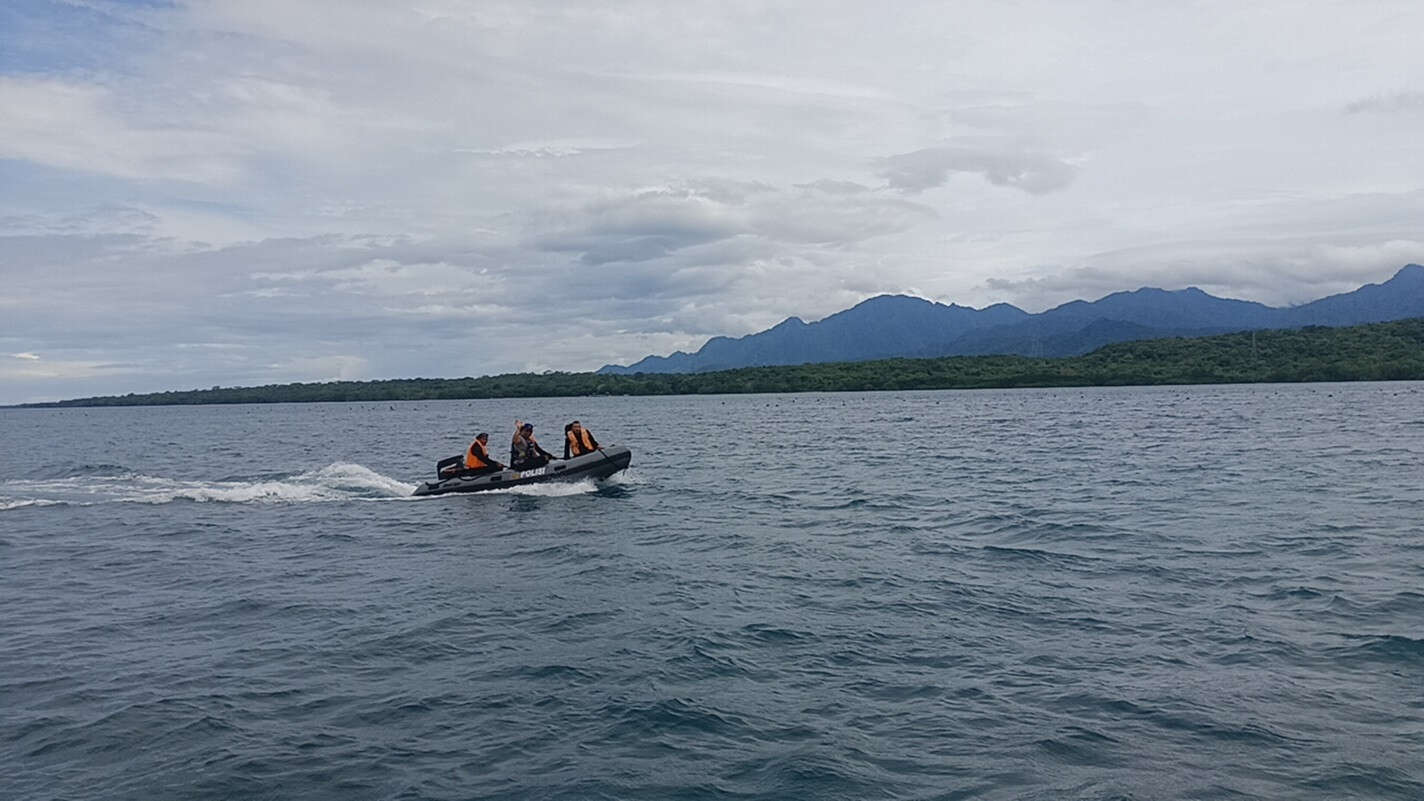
1375 352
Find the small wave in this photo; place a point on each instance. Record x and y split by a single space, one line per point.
1401 603
1385 648
1077 745
73 470
628 477
7 505
339 481
763 633
1356 780
1036 555
671 716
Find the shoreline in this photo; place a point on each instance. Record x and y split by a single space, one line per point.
1391 351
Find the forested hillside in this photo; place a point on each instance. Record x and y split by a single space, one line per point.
1376 352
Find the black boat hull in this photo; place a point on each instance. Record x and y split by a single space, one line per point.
602 463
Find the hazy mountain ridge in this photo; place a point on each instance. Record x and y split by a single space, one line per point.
888 326
1388 351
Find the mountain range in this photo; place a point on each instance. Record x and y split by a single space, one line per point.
889 326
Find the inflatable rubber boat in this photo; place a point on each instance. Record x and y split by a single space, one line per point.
602 463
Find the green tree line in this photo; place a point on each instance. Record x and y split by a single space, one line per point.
1375 352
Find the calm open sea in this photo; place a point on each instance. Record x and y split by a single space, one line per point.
1164 593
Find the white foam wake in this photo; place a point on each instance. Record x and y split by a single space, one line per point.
341 481
6 504
559 489
553 489
628 477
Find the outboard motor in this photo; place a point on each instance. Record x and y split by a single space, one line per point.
447 468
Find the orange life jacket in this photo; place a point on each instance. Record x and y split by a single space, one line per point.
476 457
581 444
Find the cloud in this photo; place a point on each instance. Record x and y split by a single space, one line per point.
78 127
118 219
833 187
29 356
63 369
447 188
1263 270
776 83
386 277
1397 103
656 223
549 149
919 170
643 226
336 367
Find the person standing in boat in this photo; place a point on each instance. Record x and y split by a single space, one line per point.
578 440
524 450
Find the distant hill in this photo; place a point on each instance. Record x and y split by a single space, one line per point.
898 326
1395 299
1376 352
878 328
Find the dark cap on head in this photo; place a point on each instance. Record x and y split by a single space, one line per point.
527 427
482 435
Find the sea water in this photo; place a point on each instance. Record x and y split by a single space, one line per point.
1129 593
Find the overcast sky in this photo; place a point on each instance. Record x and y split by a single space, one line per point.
236 193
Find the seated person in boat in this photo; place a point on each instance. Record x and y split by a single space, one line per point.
524 450
475 461
477 458
578 440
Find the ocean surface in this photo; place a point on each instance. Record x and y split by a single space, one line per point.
1116 593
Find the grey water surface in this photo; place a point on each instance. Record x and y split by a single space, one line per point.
1127 593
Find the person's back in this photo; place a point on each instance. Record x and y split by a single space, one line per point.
578 440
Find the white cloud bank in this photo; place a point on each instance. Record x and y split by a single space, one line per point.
221 193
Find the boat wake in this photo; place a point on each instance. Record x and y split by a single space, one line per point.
341 481
6 504
556 489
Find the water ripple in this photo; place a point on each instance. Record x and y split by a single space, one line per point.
1163 593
